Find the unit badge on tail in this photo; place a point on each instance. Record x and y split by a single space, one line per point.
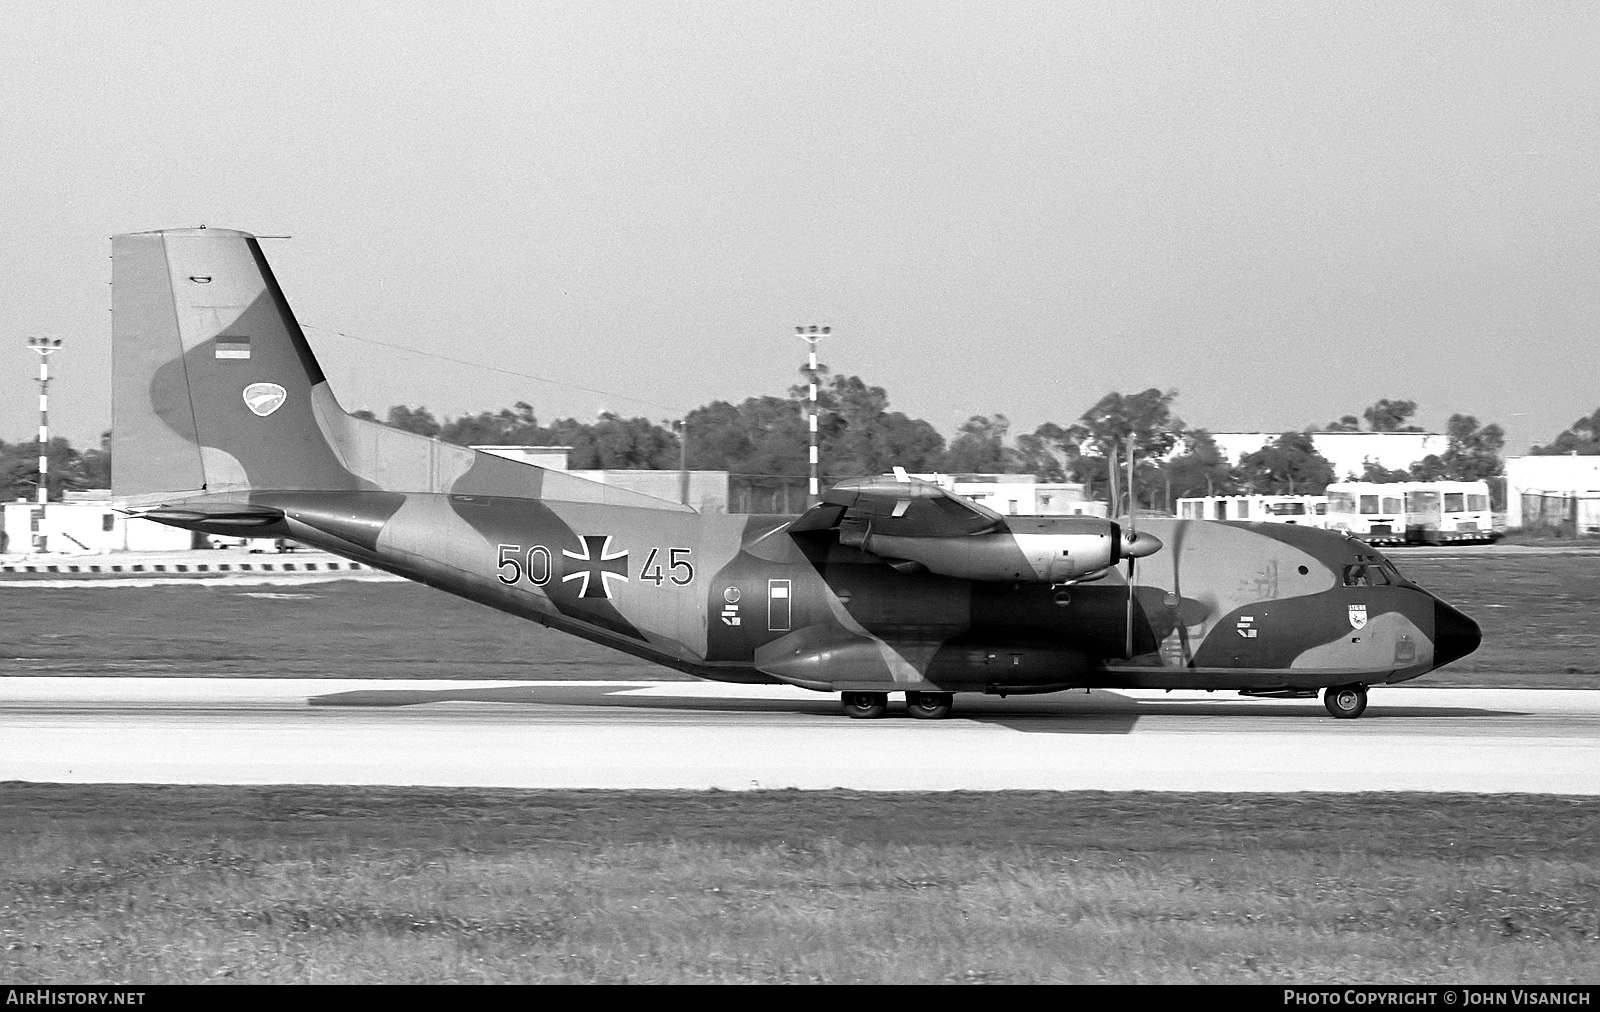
264 398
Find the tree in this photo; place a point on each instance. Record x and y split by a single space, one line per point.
96 464
617 442
898 439
1048 452
1289 464
1202 468
419 420
1103 431
859 435
979 447
1473 453
515 426
1346 423
1582 437
1372 470
19 469
761 442
16 482
1391 416
1146 416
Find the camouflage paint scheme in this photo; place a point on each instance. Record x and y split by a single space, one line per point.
225 424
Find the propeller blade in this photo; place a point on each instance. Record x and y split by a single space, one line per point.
1133 501
1115 491
1131 541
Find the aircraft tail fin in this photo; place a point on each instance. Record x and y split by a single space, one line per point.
214 384
216 391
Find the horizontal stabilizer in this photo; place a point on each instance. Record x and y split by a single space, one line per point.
213 514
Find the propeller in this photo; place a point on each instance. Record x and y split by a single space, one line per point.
1133 539
1134 545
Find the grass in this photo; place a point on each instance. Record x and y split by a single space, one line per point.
153 884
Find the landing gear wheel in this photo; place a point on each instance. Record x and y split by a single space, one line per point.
1346 702
865 705
929 705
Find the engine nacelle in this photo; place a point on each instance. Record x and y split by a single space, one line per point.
1026 549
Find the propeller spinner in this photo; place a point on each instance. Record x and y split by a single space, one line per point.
1137 546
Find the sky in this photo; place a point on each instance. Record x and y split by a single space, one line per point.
1283 211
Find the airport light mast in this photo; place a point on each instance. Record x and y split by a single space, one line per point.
811 335
45 346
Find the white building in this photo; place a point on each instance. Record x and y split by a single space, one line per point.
1348 452
1304 510
1576 478
84 524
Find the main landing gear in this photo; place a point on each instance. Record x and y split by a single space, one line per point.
922 705
1345 701
929 705
865 705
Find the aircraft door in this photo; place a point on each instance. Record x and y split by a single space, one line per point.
779 608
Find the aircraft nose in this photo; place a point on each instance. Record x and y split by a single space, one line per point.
1137 545
1454 634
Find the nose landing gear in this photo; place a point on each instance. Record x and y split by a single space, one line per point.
1346 702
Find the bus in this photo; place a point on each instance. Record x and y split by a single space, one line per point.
1305 510
1412 512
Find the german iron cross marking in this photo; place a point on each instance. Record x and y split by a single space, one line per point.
600 562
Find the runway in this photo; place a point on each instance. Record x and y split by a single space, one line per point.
694 735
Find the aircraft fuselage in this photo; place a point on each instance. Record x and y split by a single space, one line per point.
741 598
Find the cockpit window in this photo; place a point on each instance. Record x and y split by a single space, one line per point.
1366 574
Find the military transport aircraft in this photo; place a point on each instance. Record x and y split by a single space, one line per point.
225 424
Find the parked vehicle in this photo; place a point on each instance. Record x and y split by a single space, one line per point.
1412 512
